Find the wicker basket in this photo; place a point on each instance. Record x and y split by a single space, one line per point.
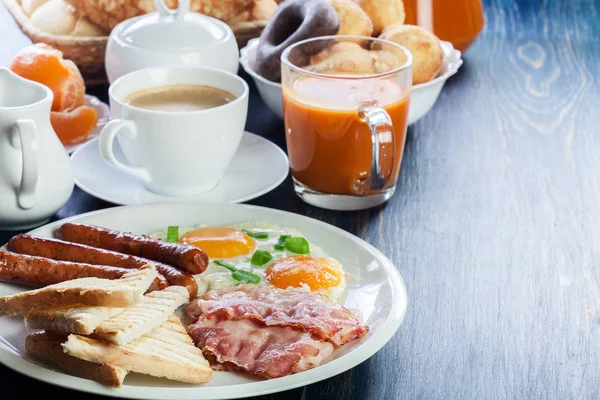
88 52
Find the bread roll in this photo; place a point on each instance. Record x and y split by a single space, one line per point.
58 18
427 53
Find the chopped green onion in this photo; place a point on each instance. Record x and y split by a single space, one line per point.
256 235
172 234
260 258
225 265
281 243
245 277
239 275
297 245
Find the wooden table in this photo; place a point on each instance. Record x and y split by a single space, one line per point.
495 225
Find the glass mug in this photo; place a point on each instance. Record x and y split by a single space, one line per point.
345 117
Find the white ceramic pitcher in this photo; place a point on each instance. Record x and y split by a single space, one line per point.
35 171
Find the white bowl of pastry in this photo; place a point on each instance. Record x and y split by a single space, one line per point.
423 95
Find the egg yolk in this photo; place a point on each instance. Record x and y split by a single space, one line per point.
219 242
317 273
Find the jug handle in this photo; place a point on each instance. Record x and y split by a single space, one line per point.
178 13
24 138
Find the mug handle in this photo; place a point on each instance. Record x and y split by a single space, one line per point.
382 134
178 13
24 139
106 140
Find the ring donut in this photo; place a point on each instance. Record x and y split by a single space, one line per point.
295 20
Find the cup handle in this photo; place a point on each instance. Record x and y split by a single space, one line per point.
382 134
106 140
179 13
24 139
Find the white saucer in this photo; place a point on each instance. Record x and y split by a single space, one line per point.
103 117
258 167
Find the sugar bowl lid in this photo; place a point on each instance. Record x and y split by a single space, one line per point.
174 29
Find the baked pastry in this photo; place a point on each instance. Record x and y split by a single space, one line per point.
58 18
352 58
353 20
383 13
343 58
294 21
262 10
108 13
29 6
336 48
427 53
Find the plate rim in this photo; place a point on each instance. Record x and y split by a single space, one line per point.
31 368
252 196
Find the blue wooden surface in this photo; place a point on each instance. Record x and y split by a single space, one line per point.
495 226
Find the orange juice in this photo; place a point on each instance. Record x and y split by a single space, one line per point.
457 21
329 145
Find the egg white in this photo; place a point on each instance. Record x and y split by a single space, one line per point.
217 277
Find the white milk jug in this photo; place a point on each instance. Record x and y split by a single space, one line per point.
35 171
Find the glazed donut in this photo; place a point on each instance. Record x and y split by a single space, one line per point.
383 13
427 53
353 20
294 20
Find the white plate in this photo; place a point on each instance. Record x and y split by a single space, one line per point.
378 292
103 117
422 96
258 167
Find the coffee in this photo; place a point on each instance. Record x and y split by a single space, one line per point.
179 98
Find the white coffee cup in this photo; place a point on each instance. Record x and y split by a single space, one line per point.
180 153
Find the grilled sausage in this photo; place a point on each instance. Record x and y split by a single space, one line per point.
44 271
185 257
74 252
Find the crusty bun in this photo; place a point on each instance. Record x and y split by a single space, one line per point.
58 18
261 10
108 13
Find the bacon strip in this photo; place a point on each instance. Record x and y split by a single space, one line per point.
270 352
307 312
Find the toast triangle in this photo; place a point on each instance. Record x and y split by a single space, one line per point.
80 320
123 292
47 346
167 351
154 309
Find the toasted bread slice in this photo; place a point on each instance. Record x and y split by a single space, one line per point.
80 320
154 309
47 346
123 292
167 352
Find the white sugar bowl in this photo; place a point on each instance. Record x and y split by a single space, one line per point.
170 37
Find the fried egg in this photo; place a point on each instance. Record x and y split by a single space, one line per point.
235 245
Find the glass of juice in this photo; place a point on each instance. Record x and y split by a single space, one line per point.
457 21
345 102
